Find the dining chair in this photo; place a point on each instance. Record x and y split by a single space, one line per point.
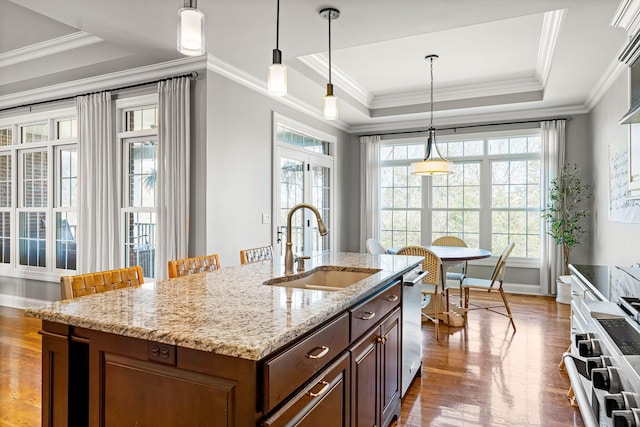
457 276
431 282
489 285
199 264
374 247
101 281
249 256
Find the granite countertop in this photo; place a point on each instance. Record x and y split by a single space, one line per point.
229 311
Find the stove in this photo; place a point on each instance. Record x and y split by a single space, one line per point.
603 362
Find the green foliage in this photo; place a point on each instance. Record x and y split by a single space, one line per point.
565 211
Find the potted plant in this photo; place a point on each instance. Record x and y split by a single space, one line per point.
564 214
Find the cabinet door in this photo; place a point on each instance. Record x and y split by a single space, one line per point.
365 383
390 356
323 402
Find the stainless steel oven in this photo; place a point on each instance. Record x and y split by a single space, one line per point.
604 359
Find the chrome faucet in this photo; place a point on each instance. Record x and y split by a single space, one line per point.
288 256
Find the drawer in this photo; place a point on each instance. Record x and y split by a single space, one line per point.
370 312
290 369
323 402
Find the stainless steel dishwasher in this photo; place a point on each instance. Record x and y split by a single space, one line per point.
411 327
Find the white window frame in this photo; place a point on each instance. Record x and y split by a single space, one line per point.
51 117
122 107
317 159
485 188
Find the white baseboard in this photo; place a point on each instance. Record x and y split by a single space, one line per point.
14 301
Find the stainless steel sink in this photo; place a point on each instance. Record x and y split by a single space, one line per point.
325 278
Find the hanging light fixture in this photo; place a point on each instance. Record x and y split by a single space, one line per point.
277 80
190 29
330 106
434 163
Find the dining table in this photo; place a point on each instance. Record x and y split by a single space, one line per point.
450 256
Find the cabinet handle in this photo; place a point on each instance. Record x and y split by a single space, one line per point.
325 386
382 339
393 298
323 352
368 316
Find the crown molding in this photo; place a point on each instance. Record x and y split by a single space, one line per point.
243 78
103 82
610 75
467 119
320 64
551 25
627 16
47 48
476 90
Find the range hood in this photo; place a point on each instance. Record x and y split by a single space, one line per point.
629 56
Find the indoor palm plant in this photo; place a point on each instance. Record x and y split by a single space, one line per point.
566 210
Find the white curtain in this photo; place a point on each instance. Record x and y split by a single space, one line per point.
370 193
172 185
98 196
553 143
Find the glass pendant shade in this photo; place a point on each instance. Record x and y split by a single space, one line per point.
330 106
190 30
431 167
277 79
434 163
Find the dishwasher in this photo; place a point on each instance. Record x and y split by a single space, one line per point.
411 327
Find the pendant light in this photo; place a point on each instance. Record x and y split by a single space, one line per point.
330 106
434 163
190 29
277 80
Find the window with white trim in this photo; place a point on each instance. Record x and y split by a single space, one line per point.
492 197
38 190
139 156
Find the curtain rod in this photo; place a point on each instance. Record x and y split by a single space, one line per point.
191 75
454 128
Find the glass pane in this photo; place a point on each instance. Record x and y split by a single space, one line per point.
67 166
32 236
66 226
34 133
295 138
142 173
67 129
140 241
5 136
320 199
35 184
292 193
5 237
5 181
142 119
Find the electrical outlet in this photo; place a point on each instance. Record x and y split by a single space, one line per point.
266 218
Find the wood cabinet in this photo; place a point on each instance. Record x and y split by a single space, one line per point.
344 372
375 373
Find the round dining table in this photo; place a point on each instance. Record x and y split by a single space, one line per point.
450 256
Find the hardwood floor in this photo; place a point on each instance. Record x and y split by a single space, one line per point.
481 375
486 375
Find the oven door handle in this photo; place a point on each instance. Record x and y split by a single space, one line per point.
588 417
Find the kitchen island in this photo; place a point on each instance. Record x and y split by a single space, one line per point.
223 348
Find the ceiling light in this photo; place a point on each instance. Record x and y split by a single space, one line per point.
330 106
277 80
434 163
190 29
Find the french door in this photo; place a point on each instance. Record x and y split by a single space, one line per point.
302 177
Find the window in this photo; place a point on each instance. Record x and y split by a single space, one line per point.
303 173
139 156
492 197
38 178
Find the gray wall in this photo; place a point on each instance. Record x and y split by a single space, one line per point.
613 243
238 164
